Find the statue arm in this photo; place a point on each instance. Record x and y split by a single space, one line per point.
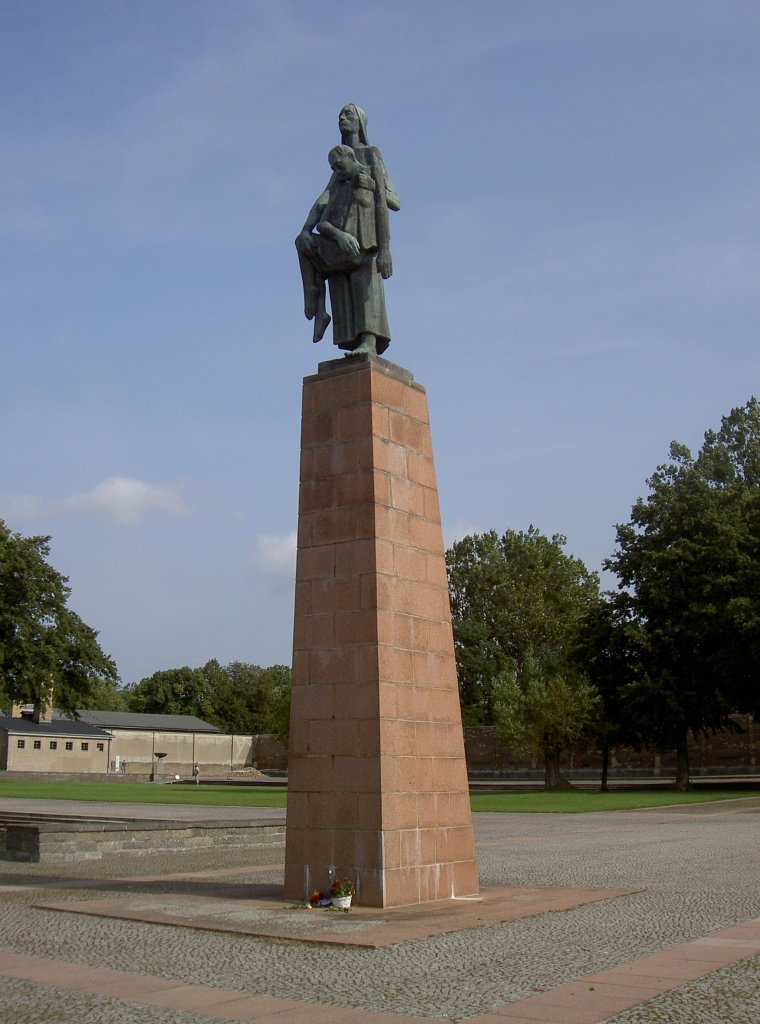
304 240
382 226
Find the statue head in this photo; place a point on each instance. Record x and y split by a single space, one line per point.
353 119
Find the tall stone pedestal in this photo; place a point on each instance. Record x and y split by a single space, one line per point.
377 782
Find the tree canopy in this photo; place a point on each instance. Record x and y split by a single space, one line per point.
237 698
44 645
688 562
518 603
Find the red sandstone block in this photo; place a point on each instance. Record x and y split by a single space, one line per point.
421 469
455 808
441 638
353 456
400 811
432 739
306 471
391 849
410 563
355 488
357 700
384 556
389 775
406 701
415 775
407 496
465 877
389 457
324 393
368 815
298 739
433 810
304 536
369 737
355 557
326 808
336 525
386 634
397 737
369 670
411 851
426 535
299 670
380 423
395 665
389 391
402 631
431 506
334 736
335 594
431 602
401 887
388 592
356 627
317 494
406 431
353 421
310 774
318 429
453 844
392 524
310 701
356 774
436 570
415 403
334 665
428 669
315 562
303 598
388 702
435 882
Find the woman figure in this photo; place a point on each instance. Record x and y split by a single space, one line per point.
354 268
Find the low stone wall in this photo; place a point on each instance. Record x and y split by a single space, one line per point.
61 843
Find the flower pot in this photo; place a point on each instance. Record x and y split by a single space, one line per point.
341 902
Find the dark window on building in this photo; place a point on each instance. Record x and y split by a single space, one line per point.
85 746
20 744
101 746
54 744
38 744
69 745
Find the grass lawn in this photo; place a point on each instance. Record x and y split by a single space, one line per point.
571 801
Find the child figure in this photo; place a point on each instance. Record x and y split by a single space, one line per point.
347 233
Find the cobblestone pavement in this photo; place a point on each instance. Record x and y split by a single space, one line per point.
698 871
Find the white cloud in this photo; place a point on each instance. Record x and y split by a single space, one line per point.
126 501
460 529
120 499
276 555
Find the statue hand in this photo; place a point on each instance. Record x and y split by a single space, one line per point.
384 263
348 243
305 242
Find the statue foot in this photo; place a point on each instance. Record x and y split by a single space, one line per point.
311 303
367 344
320 326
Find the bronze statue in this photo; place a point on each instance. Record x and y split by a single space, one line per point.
351 247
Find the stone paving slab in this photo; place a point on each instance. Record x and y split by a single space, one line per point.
690 926
259 909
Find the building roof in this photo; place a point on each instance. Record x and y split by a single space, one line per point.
158 723
58 727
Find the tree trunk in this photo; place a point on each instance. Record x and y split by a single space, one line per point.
683 782
552 776
605 765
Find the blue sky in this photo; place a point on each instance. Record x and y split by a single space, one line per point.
576 275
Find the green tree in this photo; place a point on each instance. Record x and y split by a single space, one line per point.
44 645
174 691
518 604
688 562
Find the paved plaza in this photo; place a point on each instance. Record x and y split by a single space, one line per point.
671 937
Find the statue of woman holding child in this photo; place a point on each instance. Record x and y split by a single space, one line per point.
345 243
